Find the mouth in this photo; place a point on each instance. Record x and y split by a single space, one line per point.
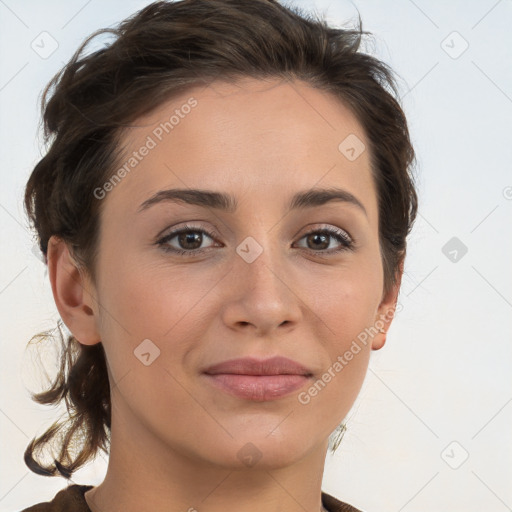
258 380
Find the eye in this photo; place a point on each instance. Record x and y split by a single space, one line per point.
190 239
319 239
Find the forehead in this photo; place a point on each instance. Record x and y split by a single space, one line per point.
262 138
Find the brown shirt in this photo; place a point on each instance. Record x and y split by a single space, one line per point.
71 499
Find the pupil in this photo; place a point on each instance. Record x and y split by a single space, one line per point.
186 238
315 236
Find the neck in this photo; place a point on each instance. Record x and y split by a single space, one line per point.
146 474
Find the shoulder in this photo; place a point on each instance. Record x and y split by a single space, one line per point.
70 499
332 504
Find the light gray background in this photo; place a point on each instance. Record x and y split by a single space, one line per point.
440 390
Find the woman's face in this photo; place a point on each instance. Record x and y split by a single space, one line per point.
266 282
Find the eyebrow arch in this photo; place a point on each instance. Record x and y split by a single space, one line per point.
228 203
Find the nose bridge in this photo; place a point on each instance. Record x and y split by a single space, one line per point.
261 265
262 249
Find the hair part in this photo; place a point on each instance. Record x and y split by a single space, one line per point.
159 52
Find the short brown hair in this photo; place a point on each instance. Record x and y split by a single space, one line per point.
157 53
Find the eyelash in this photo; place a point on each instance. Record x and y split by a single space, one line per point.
338 234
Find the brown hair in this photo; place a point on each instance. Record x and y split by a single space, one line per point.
159 52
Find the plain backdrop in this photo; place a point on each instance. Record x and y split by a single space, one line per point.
431 427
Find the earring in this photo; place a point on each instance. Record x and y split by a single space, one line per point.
338 434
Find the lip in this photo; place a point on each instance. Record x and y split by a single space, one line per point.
277 365
258 380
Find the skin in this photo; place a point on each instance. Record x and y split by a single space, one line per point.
175 438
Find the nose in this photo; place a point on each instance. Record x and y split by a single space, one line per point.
262 292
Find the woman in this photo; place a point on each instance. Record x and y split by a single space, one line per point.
223 209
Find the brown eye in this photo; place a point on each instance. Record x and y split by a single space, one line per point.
320 239
189 240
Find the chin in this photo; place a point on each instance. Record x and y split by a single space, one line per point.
261 451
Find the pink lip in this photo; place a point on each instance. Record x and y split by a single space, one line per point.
259 380
250 366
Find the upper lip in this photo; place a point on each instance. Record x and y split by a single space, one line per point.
250 366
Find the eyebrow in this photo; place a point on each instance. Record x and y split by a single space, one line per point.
228 203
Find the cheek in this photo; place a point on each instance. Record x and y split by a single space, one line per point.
345 309
345 312
348 313
160 303
351 312
148 300
347 298
143 308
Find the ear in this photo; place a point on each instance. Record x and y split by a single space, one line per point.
386 310
73 292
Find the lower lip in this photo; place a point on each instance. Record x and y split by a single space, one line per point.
261 388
